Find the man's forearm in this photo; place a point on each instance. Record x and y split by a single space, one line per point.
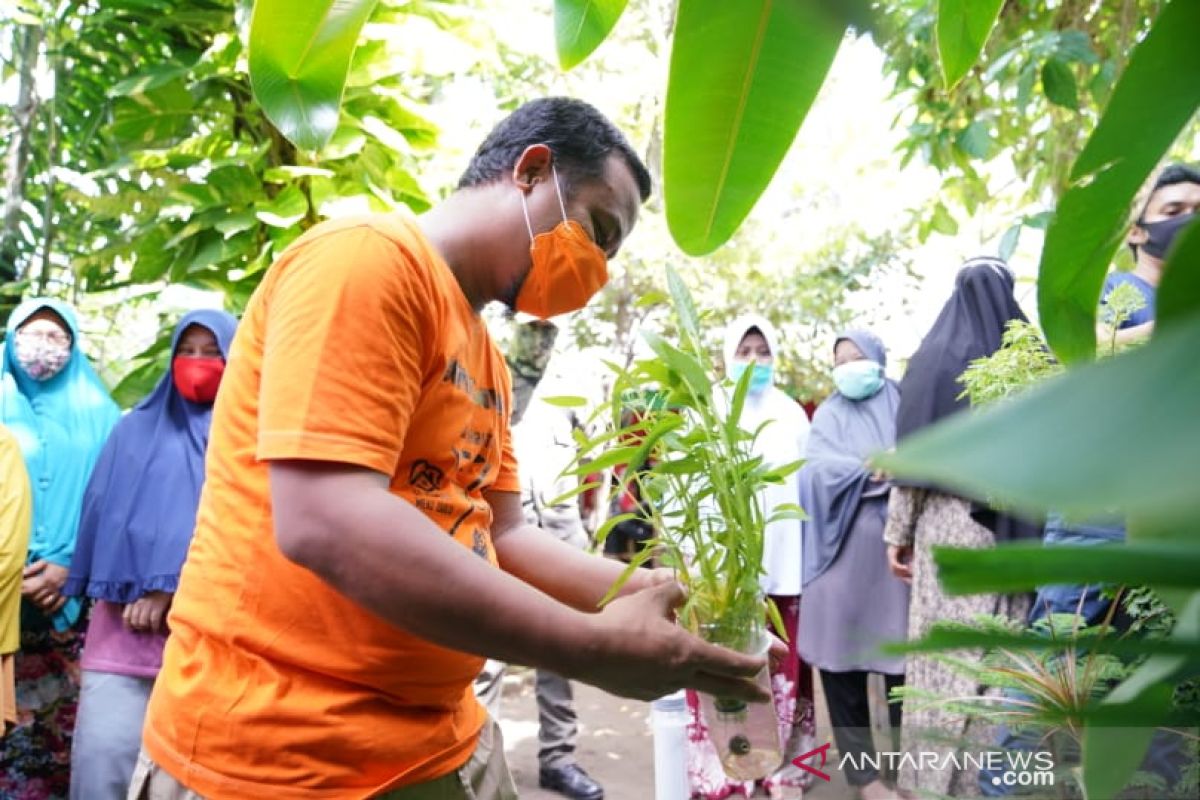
564 572
388 557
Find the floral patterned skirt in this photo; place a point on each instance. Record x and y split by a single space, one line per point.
792 687
35 756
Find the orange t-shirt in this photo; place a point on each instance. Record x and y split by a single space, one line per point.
359 347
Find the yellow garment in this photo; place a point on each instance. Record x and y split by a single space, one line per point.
8 692
15 508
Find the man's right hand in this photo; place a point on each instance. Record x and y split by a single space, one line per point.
634 648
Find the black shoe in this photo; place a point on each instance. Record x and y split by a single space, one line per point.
570 780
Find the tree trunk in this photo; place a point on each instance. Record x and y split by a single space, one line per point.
27 40
48 220
528 354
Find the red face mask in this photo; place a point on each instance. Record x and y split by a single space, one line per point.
198 377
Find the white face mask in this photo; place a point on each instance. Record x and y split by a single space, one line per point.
42 352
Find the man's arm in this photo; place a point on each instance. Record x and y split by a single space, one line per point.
342 523
566 573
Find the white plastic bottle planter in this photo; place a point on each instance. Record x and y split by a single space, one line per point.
746 735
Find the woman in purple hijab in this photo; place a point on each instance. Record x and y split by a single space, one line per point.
138 513
852 603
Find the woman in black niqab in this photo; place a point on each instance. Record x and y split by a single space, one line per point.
970 326
922 517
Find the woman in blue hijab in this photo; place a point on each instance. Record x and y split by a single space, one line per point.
61 414
138 514
852 602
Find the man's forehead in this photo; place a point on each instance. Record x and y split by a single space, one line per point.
1185 192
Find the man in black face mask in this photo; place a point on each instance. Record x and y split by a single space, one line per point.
1172 205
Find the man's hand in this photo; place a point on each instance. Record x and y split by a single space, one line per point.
148 613
42 583
634 648
648 578
900 561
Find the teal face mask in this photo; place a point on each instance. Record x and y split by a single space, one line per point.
760 378
858 380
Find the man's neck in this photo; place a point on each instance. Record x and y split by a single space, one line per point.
456 242
1148 269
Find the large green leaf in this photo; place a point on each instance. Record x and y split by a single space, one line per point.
581 25
1016 568
1067 444
962 30
1110 756
1179 294
299 56
1158 84
952 636
743 76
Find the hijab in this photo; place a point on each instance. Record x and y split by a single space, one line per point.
970 326
835 477
140 506
60 424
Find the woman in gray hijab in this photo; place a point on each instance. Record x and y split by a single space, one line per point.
852 602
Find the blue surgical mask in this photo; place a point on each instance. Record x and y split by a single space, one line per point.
760 378
858 380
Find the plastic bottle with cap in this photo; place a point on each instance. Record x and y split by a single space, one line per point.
668 721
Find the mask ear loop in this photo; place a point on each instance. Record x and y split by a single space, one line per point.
525 208
561 206
558 191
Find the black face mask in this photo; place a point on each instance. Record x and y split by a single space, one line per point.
1162 233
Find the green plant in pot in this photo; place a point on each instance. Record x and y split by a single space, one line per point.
672 432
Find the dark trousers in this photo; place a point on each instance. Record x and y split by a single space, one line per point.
850 715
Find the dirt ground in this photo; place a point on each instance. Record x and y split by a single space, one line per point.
615 744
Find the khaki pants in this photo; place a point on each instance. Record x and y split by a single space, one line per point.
484 777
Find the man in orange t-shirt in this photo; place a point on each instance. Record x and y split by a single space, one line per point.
342 585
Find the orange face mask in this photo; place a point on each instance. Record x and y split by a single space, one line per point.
568 268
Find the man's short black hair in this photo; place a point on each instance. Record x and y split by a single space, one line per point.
579 136
1169 176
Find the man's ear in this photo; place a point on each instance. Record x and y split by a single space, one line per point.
1137 235
532 167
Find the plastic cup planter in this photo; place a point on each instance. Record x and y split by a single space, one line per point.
746 735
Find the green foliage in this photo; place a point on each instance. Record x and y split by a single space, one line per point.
1045 74
743 76
962 29
1053 687
172 173
299 60
1024 359
76 107
1121 304
673 427
1093 214
1021 361
1181 279
581 25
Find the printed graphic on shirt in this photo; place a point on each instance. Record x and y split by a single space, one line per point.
452 496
